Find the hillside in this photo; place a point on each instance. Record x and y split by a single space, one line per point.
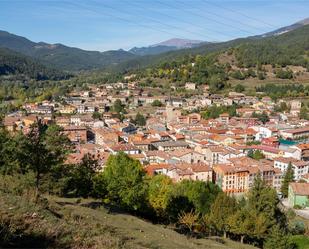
61 56
15 64
269 49
76 223
166 46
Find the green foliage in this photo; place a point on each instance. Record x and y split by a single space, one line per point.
239 88
284 74
278 91
263 117
303 114
301 241
157 103
223 207
278 239
287 178
264 199
12 63
140 120
97 115
238 75
64 57
160 188
125 183
40 151
286 49
200 194
257 154
118 107
215 111
81 178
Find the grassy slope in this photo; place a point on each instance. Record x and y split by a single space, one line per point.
66 224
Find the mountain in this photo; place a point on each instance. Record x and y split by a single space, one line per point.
289 47
179 43
166 46
61 56
287 28
16 64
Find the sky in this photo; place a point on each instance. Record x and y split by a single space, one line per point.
122 24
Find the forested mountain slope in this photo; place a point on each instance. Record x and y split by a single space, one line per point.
12 63
61 56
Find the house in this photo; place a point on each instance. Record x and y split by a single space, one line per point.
126 148
271 141
171 145
295 107
11 123
264 132
224 118
190 86
30 120
187 155
298 194
62 121
298 133
303 151
187 171
104 136
67 109
231 179
76 134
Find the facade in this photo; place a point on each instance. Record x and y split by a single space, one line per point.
298 194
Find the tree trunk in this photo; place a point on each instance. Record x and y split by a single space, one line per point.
242 239
224 234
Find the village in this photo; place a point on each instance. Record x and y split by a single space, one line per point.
175 140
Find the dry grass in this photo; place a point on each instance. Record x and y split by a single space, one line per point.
72 223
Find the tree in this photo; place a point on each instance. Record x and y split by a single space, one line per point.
239 223
96 115
189 220
288 177
303 114
159 191
140 119
39 151
263 199
278 239
8 160
125 183
223 207
176 205
81 179
157 103
239 88
117 106
258 155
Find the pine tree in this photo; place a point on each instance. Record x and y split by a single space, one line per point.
288 177
278 239
223 207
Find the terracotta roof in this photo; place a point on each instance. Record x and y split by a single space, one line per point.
300 188
298 130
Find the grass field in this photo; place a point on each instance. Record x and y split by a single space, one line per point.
73 223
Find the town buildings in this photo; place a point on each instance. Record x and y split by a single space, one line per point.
176 141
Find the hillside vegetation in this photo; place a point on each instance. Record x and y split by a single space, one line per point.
85 223
61 56
12 63
280 57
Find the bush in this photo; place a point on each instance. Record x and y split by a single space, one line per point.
297 206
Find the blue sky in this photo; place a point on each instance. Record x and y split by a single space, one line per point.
113 24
